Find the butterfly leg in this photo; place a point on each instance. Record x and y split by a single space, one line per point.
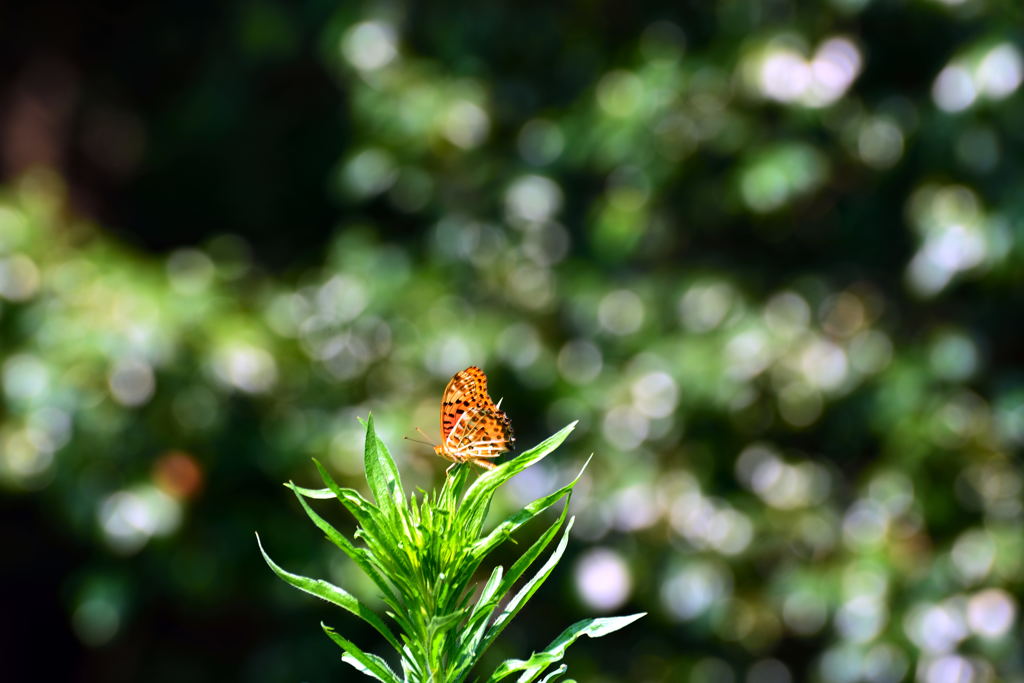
448 471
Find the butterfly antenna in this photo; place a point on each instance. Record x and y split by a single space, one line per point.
416 440
425 443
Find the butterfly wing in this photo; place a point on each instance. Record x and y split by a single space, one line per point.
464 392
481 434
471 425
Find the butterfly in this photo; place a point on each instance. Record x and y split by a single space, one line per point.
473 427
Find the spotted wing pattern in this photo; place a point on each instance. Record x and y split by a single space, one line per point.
472 426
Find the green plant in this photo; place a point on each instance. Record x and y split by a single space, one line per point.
423 555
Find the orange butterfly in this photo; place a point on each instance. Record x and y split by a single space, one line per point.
473 428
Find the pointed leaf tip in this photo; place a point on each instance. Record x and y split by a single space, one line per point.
382 473
539 661
332 594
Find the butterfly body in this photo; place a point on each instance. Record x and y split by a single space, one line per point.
473 427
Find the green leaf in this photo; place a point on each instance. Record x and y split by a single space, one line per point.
440 624
526 560
539 661
473 629
358 666
479 645
365 512
370 664
332 594
410 669
382 474
318 494
485 609
512 523
478 497
453 485
358 556
487 595
554 675
526 592
375 529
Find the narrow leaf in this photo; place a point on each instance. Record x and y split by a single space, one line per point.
369 664
440 624
554 675
358 666
473 629
489 590
363 510
410 670
382 474
319 494
476 626
356 554
538 662
531 586
526 560
478 496
512 523
333 594
374 527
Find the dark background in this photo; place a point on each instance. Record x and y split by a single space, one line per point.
222 237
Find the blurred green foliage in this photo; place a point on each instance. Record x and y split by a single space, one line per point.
769 254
